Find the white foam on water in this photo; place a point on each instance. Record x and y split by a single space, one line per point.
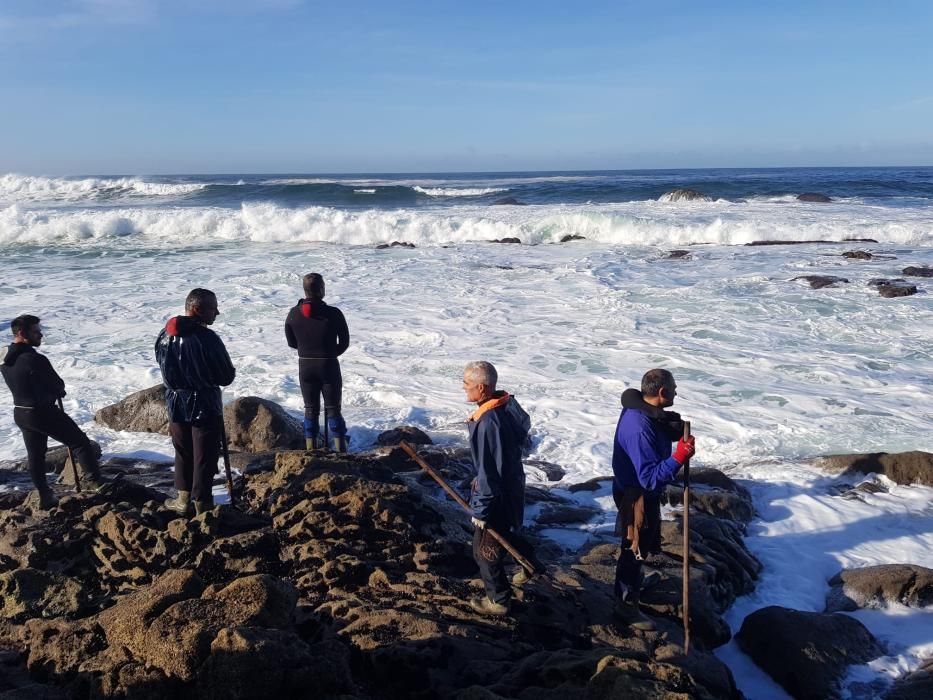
458 191
632 223
770 371
26 188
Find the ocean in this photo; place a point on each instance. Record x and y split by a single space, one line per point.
770 371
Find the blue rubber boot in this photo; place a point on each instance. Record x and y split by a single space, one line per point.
338 431
312 434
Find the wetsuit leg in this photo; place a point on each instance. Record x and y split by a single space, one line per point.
311 381
59 426
333 397
184 455
205 443
37 444
628 573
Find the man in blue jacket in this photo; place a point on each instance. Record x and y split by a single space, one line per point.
642 463
498 435
194 364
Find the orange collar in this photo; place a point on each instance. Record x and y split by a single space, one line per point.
489 406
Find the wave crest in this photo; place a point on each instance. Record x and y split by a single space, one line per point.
28 188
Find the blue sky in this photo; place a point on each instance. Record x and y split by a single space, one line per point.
202 86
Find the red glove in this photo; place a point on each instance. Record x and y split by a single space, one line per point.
685 450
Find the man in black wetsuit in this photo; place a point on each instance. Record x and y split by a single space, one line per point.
36 388
194 364
320 334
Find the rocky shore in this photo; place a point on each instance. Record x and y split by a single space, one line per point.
349 576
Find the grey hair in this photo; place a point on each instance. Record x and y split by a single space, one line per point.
482 372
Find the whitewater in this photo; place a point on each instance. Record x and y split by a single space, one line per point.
771 372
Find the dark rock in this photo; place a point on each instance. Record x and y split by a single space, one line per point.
565 515
917 685
880 586
891 289
913 467
551 471
407 433
712 501
813 197
593 484
859 240
820 281
395 244
678 255
917 271
26 593
507 240
259 425
857 255
142 412
684 195
56 460
806 653
507 201
566 238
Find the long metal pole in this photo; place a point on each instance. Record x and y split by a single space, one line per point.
71 456
686 591
524 563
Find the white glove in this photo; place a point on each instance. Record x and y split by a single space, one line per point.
479 524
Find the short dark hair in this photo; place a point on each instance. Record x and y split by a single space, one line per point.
313 284
197 297
23 323
655 380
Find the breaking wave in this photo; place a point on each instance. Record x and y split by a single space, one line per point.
458 191
32 188
638 223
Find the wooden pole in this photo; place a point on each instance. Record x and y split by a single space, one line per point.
524 563
226 453
71 455
686 591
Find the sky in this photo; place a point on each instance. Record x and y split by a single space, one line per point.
300 86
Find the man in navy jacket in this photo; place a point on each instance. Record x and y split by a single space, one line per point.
642 463
498 435
194 364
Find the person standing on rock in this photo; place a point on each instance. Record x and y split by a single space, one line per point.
194 364
642 463
36 388
498 436
319 332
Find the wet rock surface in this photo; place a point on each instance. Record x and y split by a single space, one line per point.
820 281
913 271
857 255
142 412
713 493
408 433
259 425
880 586
684 195
914 467
914 686
893 288
340 577
806 653
395 244
566 238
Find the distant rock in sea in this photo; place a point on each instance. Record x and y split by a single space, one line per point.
571 237
917 271
507 239
395 244
891 289
684 195
857 255
914 467
507 201
813 197
820 281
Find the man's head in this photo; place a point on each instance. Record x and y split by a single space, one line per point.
479 381
313 284
202 305
26 330
658 388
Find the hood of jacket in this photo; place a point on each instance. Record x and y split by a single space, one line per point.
181 326
308 306
14 351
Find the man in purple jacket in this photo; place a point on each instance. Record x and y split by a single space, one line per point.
642 464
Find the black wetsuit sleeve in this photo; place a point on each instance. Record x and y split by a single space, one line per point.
221 369
51 384
343 333
289 333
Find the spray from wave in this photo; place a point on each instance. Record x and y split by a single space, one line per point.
633 224
26 188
